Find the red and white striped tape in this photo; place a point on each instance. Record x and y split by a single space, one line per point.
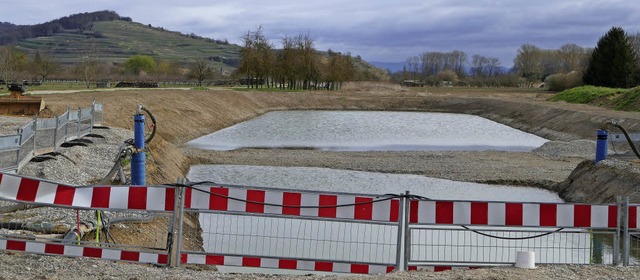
386 210
634 216
17 188
79 251
513 214
275 263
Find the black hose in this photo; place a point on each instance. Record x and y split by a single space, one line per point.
626 135
153 125
511 238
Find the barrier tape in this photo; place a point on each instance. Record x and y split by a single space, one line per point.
80 251
513 214
277 263
161 198
293 204
28 190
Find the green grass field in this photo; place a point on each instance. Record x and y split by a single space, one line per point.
613 98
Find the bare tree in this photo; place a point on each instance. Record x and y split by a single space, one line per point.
200 71
88 65
42 66
256 57
413 66
570 56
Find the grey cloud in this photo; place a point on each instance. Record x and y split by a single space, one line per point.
375 29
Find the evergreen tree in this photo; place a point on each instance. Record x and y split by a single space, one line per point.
612 62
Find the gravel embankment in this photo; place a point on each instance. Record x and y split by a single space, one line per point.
81 165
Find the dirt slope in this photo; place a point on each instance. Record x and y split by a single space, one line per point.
185 115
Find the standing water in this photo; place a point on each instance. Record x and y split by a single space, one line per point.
350 131
369 131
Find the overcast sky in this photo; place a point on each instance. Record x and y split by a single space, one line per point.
377 30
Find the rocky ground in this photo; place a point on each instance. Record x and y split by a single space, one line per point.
186 118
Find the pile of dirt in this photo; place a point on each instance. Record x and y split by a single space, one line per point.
601 182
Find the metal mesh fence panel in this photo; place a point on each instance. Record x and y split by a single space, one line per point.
45 133
634 250
500 245
61 134
9 146
98 114
84 122
73 125
26 148
296 238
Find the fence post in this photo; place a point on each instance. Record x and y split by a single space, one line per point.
180 221
55 133
19 131
407 233
66 127
34 126
400 242
404 237
93 115
625 233
616 236
78 124
173 253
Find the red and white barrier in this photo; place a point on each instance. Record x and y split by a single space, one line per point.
513 214
314 205
80 251
22 189
275 263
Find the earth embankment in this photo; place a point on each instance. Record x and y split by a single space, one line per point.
185 115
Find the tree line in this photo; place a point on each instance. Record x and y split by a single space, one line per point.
570 65
297 65
16 66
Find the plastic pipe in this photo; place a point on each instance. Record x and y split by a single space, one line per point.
601 145
138 159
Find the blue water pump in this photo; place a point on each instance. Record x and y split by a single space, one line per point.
601 145
138 158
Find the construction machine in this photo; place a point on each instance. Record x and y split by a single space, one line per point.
19 104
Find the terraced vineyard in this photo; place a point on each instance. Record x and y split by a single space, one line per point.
115 41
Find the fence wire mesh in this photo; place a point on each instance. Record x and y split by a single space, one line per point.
299 238
634 248
485 245
43 136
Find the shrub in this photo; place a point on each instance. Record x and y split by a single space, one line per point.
560 82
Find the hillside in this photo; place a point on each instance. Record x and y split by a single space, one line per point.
114 39
117 40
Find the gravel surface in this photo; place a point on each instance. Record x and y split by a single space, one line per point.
79 165
544 167
9 125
